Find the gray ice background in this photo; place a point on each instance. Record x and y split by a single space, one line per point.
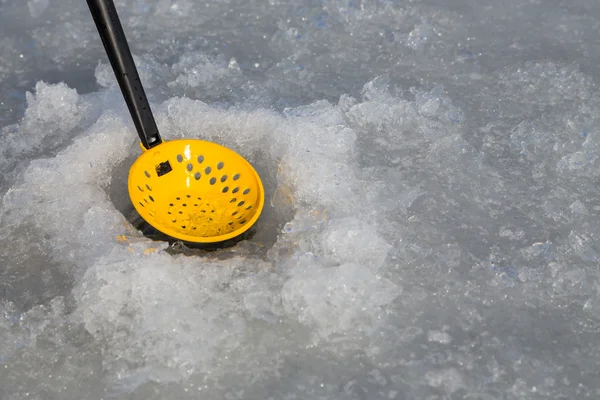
432 225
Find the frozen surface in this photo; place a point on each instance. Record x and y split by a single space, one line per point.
432 224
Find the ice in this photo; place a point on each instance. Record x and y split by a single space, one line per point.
139 302
449 380
196 73
53 112
48 103
437 336
11 62
37 7
63 40
430 229
346 295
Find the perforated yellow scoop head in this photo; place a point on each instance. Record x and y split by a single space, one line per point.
196 191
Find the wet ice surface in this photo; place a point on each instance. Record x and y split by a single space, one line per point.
431 230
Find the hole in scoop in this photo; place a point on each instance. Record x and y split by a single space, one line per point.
237 189
197 175
147 174
163 168
141 190
148 187
246 191
220 165
151 198
236 177
207 170
179 158
223 178
241 203
225 189
213 181
190 167
200 159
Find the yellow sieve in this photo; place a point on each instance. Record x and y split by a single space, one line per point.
196 191
191 190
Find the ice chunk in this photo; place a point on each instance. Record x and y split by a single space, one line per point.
440 337
577 207
336 286
418 37
37 7
139 301
105 76
51 109
52 114
83 169
343 300
586 245
351 240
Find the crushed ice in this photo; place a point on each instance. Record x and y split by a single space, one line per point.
430 230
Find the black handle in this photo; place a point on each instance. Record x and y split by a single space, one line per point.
112 35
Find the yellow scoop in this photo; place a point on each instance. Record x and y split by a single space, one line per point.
191 190
196 191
